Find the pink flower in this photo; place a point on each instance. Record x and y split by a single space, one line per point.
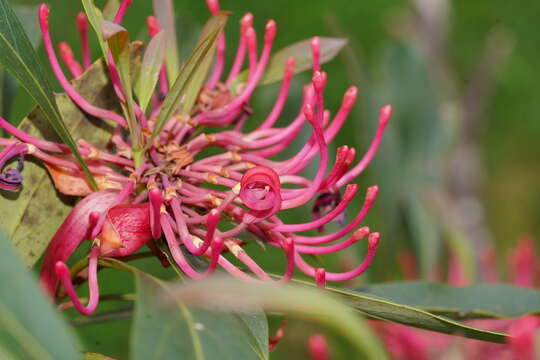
176 194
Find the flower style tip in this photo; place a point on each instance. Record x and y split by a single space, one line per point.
320 277
318 347
213 6
152 25
63 273
315 45
385 115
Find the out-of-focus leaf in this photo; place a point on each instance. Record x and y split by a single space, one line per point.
151 65
382 309
310 304
95 356
476 301
160 332
164 10
301 52
183 82
29 327
164 332
95 17
19 58
118 40
192 92
25 223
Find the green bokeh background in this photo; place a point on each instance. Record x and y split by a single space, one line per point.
385 61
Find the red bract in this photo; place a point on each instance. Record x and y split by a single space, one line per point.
171 192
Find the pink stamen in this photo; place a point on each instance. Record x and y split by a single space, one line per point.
371 195
373 242
246 23
122 11
318 347
315 45
73 94
357 236
350 191
82 26
62 271
156 200
384 117
213 6
320 277
66 53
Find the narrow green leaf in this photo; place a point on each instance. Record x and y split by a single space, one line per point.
382 309
164 10
19 58
470 302
25 224
118 40
174 97
95 17
307 303
194 87
150 68
301 52
29 326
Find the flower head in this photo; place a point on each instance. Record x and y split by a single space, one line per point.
169 190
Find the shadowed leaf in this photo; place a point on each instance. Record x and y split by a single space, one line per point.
29 326
37 211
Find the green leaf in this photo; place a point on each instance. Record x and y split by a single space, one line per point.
194 88
301 52
25 224
150 68
164 332
182 83
19 58
164 10
382 309
476 301
29 326
160 332
118 40
307 303
95 17
95 356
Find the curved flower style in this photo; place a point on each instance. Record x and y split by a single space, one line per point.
181 195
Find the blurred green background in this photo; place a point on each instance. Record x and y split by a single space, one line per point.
458 167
